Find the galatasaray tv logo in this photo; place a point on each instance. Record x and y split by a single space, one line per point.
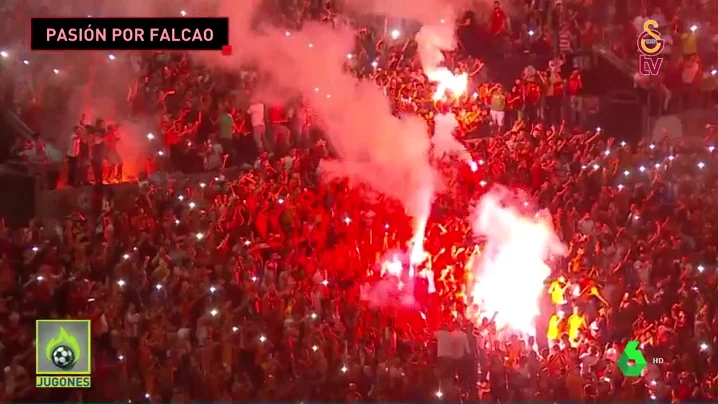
62 353
650 45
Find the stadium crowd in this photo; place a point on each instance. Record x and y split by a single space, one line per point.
250 288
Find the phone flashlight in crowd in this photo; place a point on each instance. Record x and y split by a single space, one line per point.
439 394
313 316
181 198
626 173
374 64
526 204
623 143
212 289
620 187
653 396
311 45
607 152
653 383
442 21
56 71
27 62
192 205
150 136
316 89
641 168
199 236
281 201
349 56
262 338
671 157
202 185
636 217
531 33
482 183
598 128
657 165
474 166
694 28
214 312
701 165
111 57
651 146
329 96
423 316
120 357
40 278
714 72
607 379
183 13
344 369
347 220
234 329
35 249
247 243
700 268
596 166
90 300
386 226
711 148
147 395
4 54
158 286
704 346
286 33
121 283
254 279
177 221
395 34
160 153
325 282
216 178
315 348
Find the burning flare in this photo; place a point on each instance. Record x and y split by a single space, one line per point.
510 273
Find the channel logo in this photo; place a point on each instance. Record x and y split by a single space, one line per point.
63 353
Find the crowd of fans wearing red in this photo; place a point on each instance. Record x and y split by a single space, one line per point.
248 288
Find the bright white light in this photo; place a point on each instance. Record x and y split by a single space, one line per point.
316 89
344 369
181 198
652 146
623 143
329 96
158 286
212 289
213 312
40 277
55 71
199 236
325 282
247 243
234 329
202 185
311 45
160 153
315 348
35 249
26 62
704 346
313 316
177 221
596 166
620 187
121 283
520 245
126 256
694 28
4 54
641 168
183 13
671 158
657 165
281 201
714 72
192 205
347 220
262 338
474 166
254 279
150 136
386 226
111 57
700 268
374 64
607 152
531 33
395 34
286 33
439 394
701 165
349 56
711 148
636 217
442 21
120 357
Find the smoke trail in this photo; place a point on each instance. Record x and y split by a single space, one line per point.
444 141
510 274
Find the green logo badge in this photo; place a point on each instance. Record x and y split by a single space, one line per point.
63 347
631 353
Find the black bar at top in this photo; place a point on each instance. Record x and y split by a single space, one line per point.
219 27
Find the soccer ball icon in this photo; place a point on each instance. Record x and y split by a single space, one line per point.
63 356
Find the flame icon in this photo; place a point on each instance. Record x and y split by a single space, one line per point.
63 338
